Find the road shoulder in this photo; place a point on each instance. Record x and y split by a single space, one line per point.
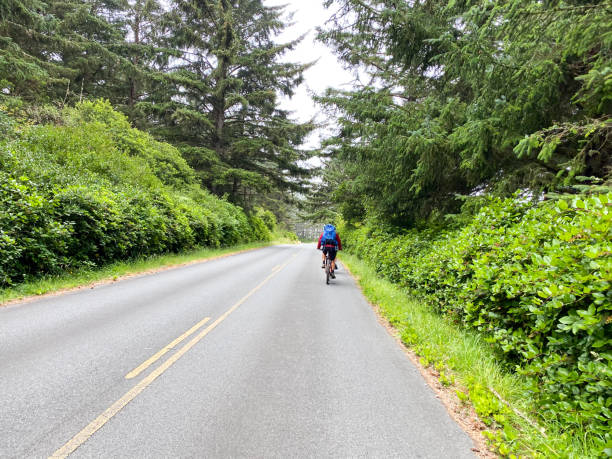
463 414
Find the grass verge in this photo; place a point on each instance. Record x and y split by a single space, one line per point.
113 271
468 365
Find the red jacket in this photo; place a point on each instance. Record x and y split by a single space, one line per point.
328 245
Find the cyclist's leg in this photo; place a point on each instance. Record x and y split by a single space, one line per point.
332 255
323 257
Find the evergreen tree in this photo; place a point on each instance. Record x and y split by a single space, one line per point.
25 30
223 104
146 45
462 98
92 33
66 50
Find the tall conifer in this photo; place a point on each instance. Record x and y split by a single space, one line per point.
223 106
461 99
65 50
27 64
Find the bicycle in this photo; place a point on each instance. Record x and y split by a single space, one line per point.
328 268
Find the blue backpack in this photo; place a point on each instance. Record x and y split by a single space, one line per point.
329 235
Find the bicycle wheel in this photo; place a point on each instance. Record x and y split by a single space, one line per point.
327 269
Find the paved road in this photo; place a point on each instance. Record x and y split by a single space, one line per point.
277 364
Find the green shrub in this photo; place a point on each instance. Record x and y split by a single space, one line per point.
286 235
164 160
85 154
31 239
267 217
536 280
261 232
91 190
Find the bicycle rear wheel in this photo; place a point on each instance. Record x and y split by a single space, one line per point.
327 269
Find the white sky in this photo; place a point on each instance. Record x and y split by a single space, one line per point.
327 72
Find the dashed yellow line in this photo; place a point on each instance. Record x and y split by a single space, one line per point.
108 414
155 357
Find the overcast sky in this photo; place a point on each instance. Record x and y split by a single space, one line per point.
327 72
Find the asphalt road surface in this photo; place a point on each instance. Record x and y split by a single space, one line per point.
246 356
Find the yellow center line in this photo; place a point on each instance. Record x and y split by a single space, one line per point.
155 357
111 411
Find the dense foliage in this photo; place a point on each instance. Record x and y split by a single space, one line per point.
205 76
61 51
92 189
535 279
460 98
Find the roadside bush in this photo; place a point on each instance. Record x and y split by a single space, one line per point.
93 190
93 217
287 236
163 160
30 238
85 155
536 280
268 218
261 232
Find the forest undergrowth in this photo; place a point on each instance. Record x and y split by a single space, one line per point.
531 283
86 189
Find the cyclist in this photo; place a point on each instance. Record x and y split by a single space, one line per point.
329 242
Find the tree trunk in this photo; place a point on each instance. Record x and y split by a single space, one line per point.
222 70
135 60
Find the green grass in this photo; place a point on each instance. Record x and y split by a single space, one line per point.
468 363
113 271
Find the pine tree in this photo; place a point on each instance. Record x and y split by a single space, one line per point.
62 51
25 30
223 104
464 98
146 46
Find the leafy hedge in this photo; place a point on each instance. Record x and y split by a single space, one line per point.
92 190
536 280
